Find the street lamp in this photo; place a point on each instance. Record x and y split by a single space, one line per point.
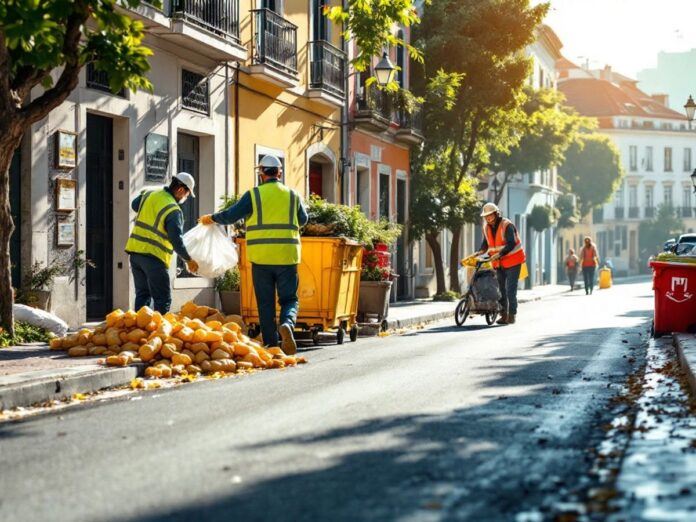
690 109
384 70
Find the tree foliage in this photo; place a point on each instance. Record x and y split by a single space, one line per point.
542 217
44 44
592 170
665 225
568 213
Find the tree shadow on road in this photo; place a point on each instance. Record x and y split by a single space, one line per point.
486 461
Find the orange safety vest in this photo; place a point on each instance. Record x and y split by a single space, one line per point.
495 244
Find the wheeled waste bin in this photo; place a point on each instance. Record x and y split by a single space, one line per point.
329 276
674 285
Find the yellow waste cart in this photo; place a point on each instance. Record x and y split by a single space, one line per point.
604 278
328 291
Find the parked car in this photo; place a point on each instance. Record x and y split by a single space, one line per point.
669 245
685 244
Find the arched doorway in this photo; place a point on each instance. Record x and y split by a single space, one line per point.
321 172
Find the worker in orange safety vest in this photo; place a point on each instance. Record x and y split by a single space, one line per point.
502 242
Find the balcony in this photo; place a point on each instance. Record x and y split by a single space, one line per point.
275 48
209 27
685 212
633 212
649 212
327 72
373 109
410 126
99 80
619 213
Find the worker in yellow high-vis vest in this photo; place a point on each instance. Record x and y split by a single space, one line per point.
274 214
156 235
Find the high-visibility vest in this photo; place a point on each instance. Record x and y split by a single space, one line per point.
272 230
495 244
149 235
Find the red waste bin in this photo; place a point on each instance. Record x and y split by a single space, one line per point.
674 285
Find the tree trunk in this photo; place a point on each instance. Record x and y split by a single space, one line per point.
7 148
434 245
454 260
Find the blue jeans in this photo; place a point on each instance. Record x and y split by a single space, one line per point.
151 278
588 273
507 283
267 279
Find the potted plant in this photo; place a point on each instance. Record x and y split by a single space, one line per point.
227 287
37 284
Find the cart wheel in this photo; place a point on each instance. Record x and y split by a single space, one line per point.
340 334
354 333
490 318
462 312
315 336
254 331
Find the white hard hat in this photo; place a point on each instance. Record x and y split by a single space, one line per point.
488 209
187 179
269 162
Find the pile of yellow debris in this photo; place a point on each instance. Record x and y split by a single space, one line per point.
197 340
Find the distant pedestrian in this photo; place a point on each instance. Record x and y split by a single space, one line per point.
571 265
590 262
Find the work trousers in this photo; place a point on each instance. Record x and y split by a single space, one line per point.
507 283
267 280
588 273
152 284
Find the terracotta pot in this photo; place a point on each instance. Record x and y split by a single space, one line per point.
373 301
231 302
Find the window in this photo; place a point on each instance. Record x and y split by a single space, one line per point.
633 196
633 157
384 195
194 92
649 159
619 197
100 81
686 197
428 255
320 26
649 197
363 189
262 152
400 61
668 159
541 77
687 160
667 195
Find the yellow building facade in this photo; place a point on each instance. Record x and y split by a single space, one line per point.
287 96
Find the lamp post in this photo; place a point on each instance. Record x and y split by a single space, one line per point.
690 109
384 70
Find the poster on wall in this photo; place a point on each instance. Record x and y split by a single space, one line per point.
65 231
65 195
66 150
156 158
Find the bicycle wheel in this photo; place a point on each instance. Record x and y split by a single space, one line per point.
490 318
462 311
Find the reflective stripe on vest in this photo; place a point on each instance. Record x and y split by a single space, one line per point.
272 230
495 244
149 235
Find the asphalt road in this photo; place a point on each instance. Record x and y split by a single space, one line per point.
473 423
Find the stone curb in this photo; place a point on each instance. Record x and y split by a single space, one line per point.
686 351
60 384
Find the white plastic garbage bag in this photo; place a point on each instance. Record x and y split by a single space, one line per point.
463 274
40 318
214 252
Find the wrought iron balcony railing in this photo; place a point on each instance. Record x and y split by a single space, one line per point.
685 212
218 16
99 80
619 213
375 101
633 212
327 68
649 212
275 41
413 120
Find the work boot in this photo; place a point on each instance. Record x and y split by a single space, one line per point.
287 343
503 318
511 319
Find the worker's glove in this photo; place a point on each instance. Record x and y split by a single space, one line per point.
191 266
206 220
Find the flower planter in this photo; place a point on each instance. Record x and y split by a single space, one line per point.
231 302
373 301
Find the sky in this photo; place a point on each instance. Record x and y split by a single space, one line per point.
626 34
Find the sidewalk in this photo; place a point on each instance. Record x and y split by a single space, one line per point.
411 313
35 374
686 351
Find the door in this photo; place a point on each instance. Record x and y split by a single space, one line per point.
319 21
188 160
401 244
633 249
15 203
316 179
99 216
